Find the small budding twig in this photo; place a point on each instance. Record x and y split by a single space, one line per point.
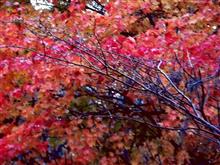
177 89
188 56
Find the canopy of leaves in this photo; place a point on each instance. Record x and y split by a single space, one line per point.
110 82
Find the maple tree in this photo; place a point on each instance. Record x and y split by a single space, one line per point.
110 82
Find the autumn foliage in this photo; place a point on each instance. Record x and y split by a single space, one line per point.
110 82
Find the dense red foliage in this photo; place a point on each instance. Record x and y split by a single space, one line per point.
134 83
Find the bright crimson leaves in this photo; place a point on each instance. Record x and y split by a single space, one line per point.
80 86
